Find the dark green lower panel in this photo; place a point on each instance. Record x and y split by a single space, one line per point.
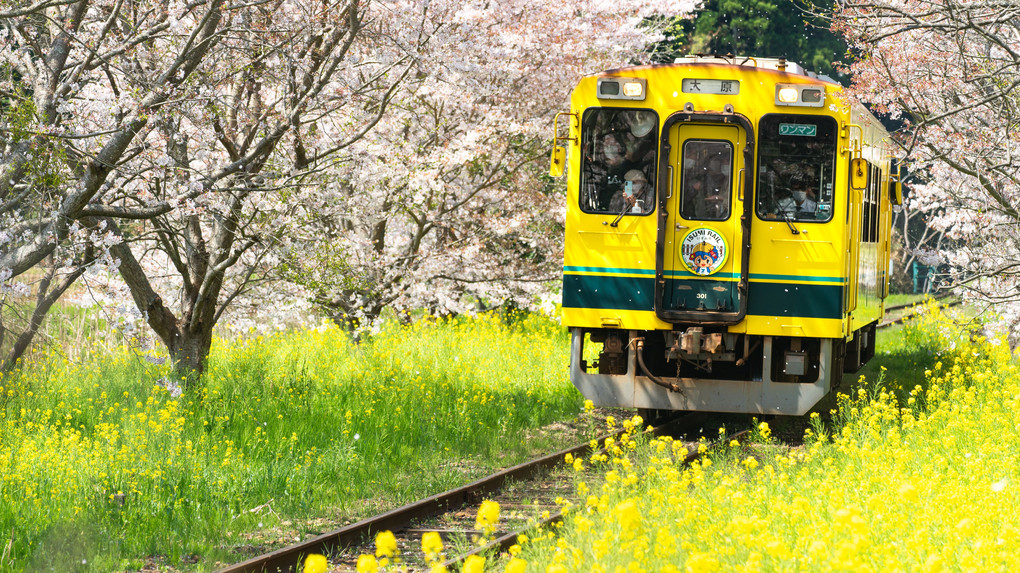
801 300
764 299
624 293
703 295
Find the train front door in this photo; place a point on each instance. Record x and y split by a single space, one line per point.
703 236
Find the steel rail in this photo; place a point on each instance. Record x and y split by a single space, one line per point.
907 317
915 303
289 558
507 540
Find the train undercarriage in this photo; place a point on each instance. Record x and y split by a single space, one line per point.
701 369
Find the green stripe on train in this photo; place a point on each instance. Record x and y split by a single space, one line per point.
764 299
681 273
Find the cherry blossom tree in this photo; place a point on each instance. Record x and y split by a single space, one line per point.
182 133
445 204
58 148
202 147
914 242
951 70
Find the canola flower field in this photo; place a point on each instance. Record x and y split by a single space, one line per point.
915 477
101 468
913 471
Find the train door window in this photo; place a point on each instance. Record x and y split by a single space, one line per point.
873 204
869 208
618 161
707 180
796 160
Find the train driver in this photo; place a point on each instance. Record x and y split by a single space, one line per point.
618 142
631 194
800 202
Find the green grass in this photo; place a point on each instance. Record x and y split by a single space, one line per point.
290 435
72 331
897 299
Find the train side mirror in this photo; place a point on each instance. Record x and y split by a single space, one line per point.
859 174
558 162
896 187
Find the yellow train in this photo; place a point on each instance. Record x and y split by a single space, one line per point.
727 235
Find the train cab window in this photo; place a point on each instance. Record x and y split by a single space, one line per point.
707 180
796 161
618 161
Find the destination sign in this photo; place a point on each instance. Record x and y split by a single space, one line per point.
704 86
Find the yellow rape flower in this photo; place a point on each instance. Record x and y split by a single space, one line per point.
474 564
908 492
385 544
316 564
516 565
702 563
628 514
488 516
431 545
367 564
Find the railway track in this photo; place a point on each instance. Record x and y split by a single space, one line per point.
526 493
908 316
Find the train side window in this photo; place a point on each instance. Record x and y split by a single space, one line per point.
869 208
706 180
796 164
618 161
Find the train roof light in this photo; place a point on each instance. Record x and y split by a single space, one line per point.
621 88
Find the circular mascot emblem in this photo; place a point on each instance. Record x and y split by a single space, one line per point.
703 250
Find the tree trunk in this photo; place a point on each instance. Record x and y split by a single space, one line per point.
188 354
45 300
187 339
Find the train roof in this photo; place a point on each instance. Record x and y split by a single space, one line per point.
780 65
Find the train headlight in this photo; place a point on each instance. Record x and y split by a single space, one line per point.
800 95
633 89
621 88
788 95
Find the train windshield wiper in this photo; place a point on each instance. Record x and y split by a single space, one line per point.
789 223
627 206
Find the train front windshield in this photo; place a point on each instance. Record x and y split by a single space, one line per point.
618 165
796 166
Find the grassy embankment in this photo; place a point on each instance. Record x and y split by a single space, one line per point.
101 468
917 471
